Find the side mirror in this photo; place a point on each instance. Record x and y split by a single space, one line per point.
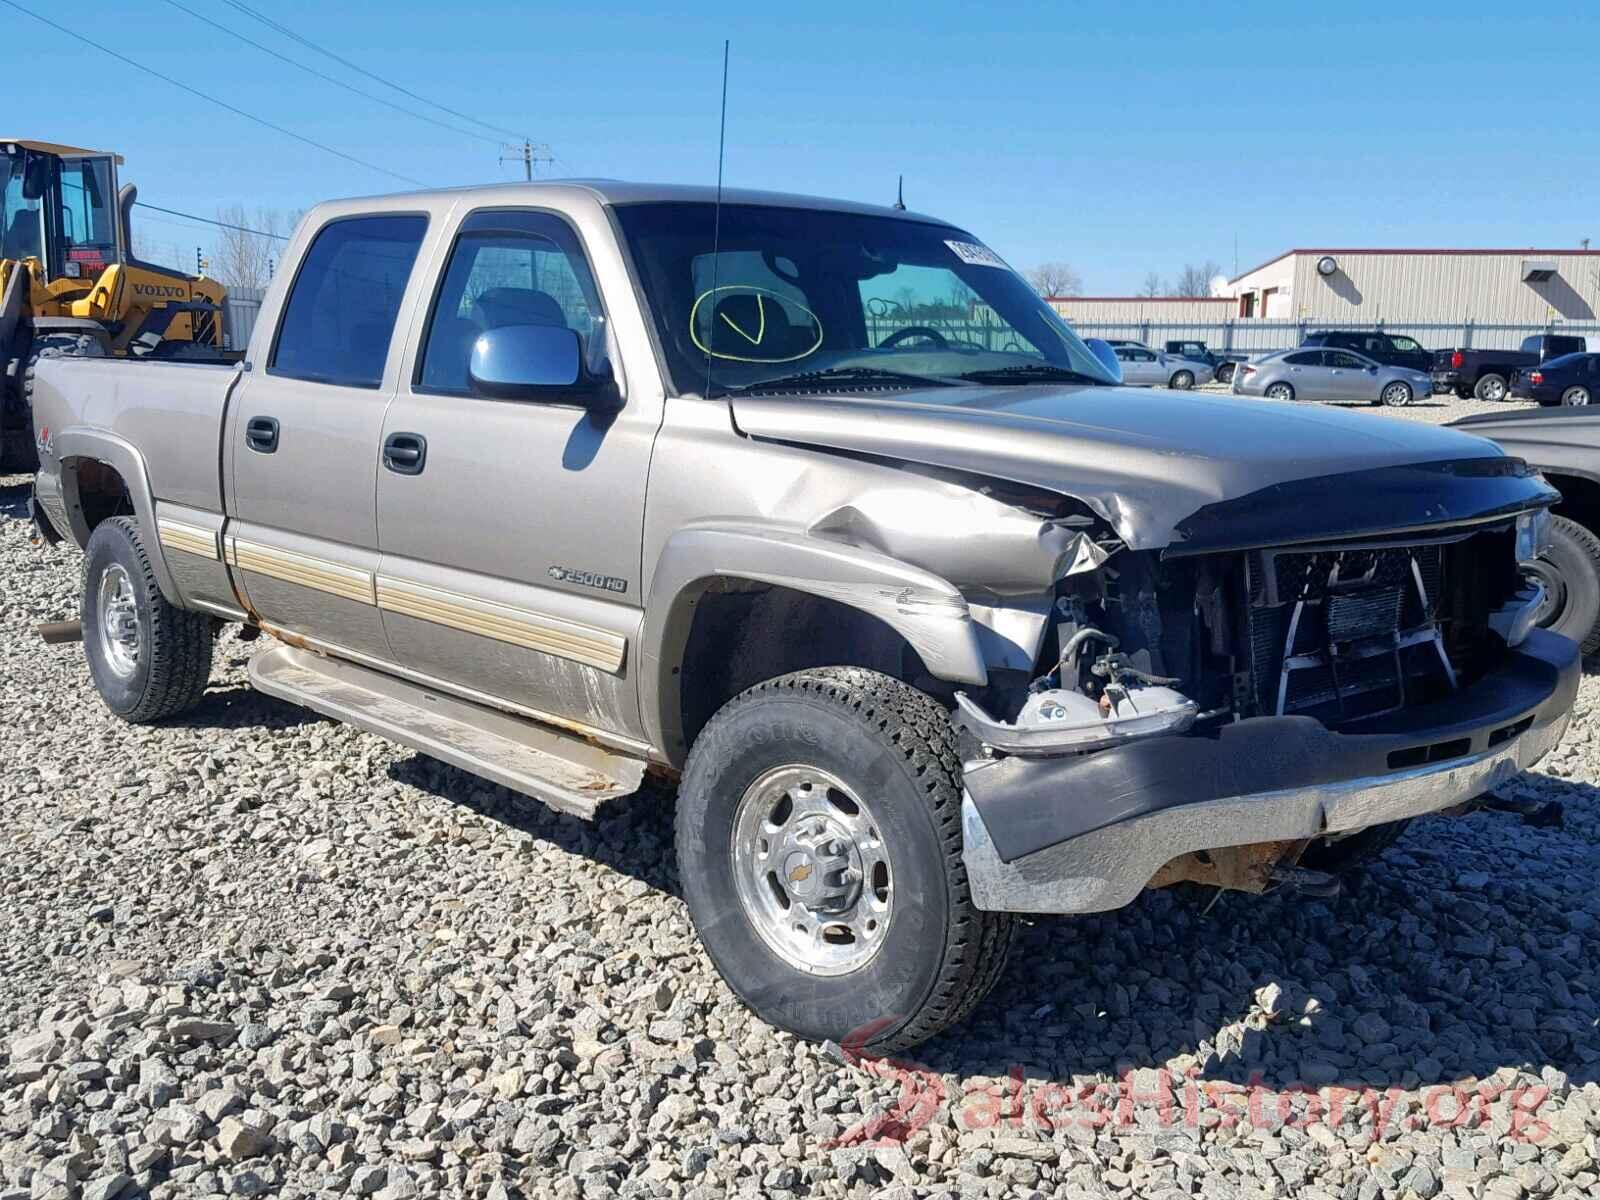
1106 356
532 362
35 176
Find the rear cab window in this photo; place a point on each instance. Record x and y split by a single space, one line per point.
340 316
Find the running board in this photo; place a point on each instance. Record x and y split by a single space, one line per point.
561 769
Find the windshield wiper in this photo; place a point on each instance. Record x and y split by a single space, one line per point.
1032 372
862 375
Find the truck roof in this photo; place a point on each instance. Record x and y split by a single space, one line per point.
58 149
614 192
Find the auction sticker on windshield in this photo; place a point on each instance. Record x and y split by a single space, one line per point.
975 255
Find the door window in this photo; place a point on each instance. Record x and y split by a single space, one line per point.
1348 362
506 268
1308 358
340 315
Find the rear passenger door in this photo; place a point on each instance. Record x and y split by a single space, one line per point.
303 434
511 547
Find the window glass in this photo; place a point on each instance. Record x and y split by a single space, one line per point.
86 217
1309 358
796 292
340 315
20 235
507 268
1405 345
1337 358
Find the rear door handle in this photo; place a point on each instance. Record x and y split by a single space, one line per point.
261 434
405 453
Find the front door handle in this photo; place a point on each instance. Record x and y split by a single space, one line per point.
405 453
261 434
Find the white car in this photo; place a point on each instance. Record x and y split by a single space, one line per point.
1144 367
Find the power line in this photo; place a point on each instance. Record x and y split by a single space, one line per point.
346 63
172 212
223 104
330 78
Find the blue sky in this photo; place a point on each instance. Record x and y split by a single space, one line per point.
1123 139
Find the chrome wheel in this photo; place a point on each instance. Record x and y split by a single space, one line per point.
1280 391
1577 397
812 871
1492 387
1554 604
1183 381
1397 395
119 621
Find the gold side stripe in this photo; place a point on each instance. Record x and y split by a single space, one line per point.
190 539
585 644
303 569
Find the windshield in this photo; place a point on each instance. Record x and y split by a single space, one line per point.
794 296
86 214
21 231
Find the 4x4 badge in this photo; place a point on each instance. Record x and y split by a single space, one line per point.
608 583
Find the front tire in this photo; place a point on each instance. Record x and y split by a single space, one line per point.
1396 395
819 848
149 659
1576 397
1570 572
1182 381
1490 387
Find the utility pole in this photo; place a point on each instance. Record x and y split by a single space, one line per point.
528 154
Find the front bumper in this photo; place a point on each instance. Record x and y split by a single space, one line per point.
1086 834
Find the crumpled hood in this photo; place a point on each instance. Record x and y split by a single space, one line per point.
1144 460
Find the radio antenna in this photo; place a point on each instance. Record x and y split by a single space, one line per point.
900 194
716 217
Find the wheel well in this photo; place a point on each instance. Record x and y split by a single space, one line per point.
744 633
98 492
1580 499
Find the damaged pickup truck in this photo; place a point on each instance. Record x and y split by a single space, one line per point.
818 509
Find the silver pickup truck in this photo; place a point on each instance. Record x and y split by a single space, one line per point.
818 510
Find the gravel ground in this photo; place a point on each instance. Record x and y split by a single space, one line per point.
254 952
1434 409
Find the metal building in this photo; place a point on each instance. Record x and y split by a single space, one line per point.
1509 287
1138 310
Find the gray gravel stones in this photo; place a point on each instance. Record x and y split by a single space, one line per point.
332 967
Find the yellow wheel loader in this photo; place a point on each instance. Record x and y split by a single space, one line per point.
70 284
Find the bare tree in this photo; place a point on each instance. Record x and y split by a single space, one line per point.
1152 285
1196 280
1056 279
244 260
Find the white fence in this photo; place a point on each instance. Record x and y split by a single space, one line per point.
1261 336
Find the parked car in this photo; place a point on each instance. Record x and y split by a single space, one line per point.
1143 367
1487 374
1572 381
1564 445
1390 349
1328 375
1222 365
539 500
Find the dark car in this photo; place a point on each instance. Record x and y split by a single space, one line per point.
1570 381
1390 349
1222 364
1564 444
1487 374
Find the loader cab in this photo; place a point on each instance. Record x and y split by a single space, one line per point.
58 206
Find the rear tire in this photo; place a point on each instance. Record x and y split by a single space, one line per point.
1490 387
1570 572
1576 397
149 659
825 741
1280 391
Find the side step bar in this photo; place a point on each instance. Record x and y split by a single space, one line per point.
561 769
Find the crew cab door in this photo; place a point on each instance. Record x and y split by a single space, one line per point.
511 530
303 433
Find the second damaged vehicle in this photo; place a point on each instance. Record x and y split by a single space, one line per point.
820 509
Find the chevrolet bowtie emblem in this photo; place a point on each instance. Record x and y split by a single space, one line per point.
800 874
